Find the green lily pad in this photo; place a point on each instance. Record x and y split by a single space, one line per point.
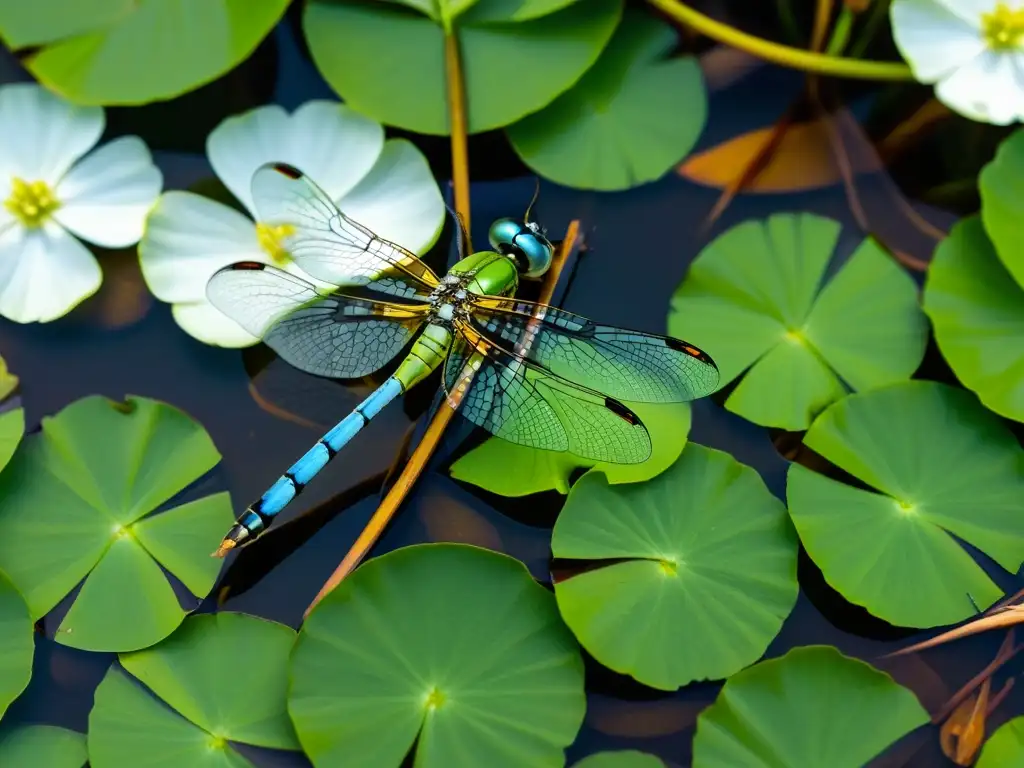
388 61
633 116
512 470
76 506
752 300
811 708
1001 185
208 696
90 51
626 758
17 646
46 746
12 416
446 648
1005 747
702 570
939 464
978 314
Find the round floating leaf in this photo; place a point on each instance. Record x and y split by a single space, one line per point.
93 51
12 415
514 470
389 62
629 120
222 678
1005 747
42 746
627 758
978 313
446 648
752 300
76 500
1001 184
811 708
17 646
701 571
940 464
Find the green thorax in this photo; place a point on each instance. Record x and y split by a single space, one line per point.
492 274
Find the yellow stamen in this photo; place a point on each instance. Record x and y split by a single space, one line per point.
1003 28
31 202
271 240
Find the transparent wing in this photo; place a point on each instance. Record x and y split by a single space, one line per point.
631 365
324 334
519 402
327 244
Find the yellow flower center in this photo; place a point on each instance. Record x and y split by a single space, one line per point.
31 202
272 240
1003 28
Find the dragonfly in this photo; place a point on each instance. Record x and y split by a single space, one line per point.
528 373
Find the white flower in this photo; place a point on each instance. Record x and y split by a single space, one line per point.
50 190
973 50
386 186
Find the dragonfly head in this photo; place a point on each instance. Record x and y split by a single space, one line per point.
524 243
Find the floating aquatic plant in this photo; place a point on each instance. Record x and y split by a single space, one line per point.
84 503
54 192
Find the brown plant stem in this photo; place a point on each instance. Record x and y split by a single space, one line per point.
457 124
418 460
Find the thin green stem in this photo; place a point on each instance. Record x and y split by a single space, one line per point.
795 58
840 32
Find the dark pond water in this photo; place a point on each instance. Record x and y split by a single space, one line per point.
640 244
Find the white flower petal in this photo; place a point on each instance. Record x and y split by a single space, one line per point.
933 38
46 272
989 89
189 237
330 142
399 199
41 135
105 197
205 322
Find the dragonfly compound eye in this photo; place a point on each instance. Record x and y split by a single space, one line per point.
531 250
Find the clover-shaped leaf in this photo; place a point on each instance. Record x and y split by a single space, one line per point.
91 52
936 463
700 569
389 62
46 746
17 646
978 313
446 649
515 470
629 119
1005 747
753 300
76 504
1001 185
811 708
207 697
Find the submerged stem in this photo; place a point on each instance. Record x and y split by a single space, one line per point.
418 460
458 126
784 55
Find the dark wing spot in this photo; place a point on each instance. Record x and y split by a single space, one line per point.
255 265
688 349
621 411
288 170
